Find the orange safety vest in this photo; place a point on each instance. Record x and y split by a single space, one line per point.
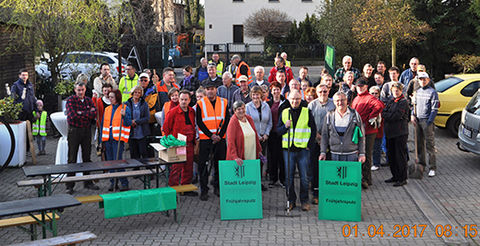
249 74
210 117
114 125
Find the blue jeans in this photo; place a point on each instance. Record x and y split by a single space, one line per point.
352 157
41 142
301 159
111 154
377 151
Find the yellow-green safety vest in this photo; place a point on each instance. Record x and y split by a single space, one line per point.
39 126
287 64
125 86
219 67
301 134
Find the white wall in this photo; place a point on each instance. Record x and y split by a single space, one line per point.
223 14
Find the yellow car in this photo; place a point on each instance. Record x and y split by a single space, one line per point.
454 93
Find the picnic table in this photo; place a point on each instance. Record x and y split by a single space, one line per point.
43 205
151 165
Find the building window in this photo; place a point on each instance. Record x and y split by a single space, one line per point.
238 0
238 33
306 0
274 1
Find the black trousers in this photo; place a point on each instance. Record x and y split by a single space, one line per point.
138 148
219 151
276 163
79 137
397 157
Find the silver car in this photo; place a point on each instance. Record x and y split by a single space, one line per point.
469 130
86 62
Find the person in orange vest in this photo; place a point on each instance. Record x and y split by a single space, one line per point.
116 131
163 87
242 69
173 95
212 120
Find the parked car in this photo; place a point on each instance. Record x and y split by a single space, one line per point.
469 131
86 62
454 93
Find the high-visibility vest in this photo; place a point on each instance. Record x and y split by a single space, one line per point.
249 74
125 86
210 117
114 125
219 67
301 134
287 64
39 126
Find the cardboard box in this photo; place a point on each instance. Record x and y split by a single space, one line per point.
172 154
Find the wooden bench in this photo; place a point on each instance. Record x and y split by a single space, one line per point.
70 239
125 174
27 220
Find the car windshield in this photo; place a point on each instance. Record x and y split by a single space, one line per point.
445 84
474 105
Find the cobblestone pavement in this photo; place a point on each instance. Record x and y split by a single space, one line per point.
452 197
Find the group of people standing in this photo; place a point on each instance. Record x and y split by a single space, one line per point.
230 113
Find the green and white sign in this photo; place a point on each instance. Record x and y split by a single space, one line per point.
340 191
330 59
240 190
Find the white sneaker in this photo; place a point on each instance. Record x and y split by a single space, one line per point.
374 168
431 173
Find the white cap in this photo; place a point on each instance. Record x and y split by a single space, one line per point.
144 75
422 75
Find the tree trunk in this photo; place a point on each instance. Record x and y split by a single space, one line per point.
394 51
188 12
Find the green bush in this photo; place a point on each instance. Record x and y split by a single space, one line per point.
9 110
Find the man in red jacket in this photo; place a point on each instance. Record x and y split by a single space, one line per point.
181 119
280 65
369 108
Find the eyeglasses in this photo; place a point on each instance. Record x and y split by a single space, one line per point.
144 80
323 91
374 93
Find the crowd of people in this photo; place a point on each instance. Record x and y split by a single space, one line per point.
228 113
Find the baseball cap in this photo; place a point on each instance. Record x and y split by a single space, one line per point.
242 78
142 75
422 75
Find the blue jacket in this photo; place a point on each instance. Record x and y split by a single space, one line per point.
263 126
144 117
17 91
405 77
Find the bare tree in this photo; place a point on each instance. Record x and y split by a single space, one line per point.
267 23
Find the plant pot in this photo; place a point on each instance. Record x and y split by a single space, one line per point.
20 133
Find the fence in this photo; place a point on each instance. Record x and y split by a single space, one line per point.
302 54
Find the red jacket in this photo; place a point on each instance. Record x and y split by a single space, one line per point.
235 144
100 110
273 74
175 123
368 107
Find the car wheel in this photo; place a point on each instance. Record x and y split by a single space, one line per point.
453 123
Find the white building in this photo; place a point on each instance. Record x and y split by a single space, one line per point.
224 18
